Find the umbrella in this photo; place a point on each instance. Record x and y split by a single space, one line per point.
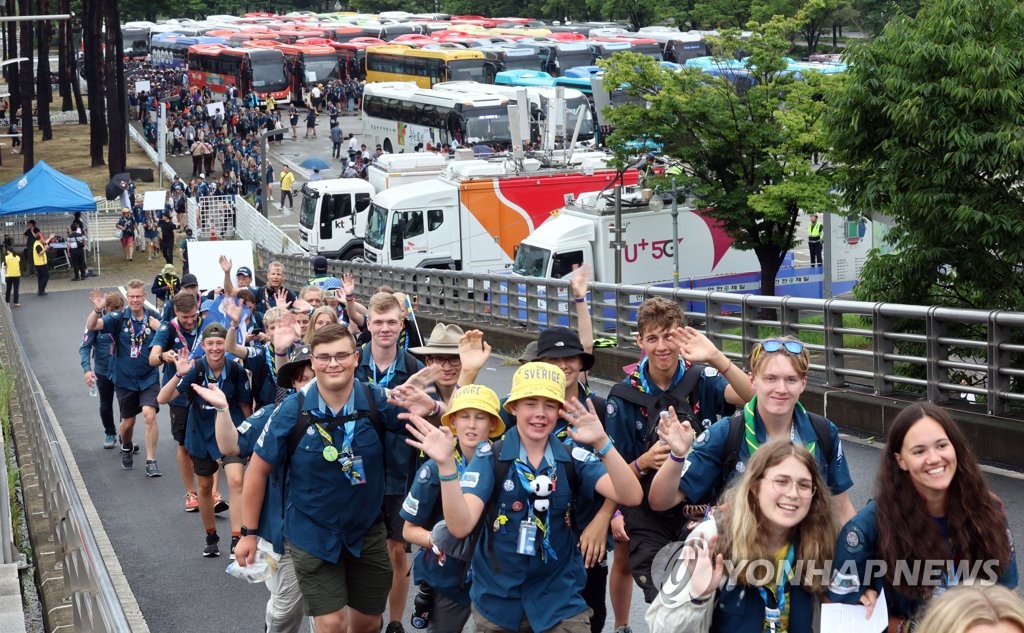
315 162
117 184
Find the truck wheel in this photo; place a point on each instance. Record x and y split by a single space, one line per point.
355 255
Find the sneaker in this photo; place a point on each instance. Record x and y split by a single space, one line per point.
127 461
109 440
135 447
219 504
191 502
395 627
234 541
152 470
623 629
211 549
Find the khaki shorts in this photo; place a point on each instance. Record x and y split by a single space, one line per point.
362 583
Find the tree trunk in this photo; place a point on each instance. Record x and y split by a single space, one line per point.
93 60
117 115
64 76
26 29
43 91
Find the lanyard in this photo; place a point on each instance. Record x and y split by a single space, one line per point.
775 618
750 435
526 475
136 338
181 334
388 375
460 461
271 365
345 457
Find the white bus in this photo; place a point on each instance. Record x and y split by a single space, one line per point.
400 116
540 97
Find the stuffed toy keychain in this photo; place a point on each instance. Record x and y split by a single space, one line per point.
542 487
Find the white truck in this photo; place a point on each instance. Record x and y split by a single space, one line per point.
582 233
474 216
332 217
393 170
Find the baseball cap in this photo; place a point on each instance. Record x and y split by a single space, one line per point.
202 175
189 280
319 263
168 269
301 356
537 380
474 397
215 330
562 342
244 271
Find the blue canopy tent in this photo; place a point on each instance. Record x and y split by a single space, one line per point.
44 190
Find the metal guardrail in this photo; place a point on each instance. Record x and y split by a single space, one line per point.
93 598
150 152
879 348
8 551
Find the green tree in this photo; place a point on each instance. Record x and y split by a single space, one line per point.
815 17
747 153
873 15
928 131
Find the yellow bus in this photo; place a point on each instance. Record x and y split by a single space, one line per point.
426 67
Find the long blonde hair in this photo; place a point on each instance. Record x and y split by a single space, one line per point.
328 310
741 525
964 607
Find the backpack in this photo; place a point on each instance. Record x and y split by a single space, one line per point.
234 376
734 440
652 406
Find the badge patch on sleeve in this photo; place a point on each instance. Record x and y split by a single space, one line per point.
470 480
411 505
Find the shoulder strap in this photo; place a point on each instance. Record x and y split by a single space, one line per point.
372 412
824 433
303 422
731 455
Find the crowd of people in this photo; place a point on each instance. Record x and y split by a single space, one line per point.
346 439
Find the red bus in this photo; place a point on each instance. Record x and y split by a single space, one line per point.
260 69
352 56
288 36
309 65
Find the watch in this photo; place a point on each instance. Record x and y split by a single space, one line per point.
244 531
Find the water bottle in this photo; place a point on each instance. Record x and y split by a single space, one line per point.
421 606
94 389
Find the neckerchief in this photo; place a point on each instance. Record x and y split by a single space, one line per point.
526 475
181 335
750 435
638 380
776 606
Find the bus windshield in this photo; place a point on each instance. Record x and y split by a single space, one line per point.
269 76
520 63
572 59
376 225
587 127
466 70
324 67
487 125
531 261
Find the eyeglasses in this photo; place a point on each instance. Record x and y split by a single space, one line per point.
451 361
782 484
774 345
340 357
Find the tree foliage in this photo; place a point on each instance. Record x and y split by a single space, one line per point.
746 153
929 130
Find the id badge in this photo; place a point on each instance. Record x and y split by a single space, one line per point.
135 352
774 618
358 473
527 545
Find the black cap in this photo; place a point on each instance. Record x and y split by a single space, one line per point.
189 280
215 330
320 264
301 356
562 342
244 271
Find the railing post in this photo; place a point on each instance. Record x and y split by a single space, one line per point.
997 360
934 352
833 341
881 346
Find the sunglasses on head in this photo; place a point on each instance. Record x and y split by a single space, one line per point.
774 345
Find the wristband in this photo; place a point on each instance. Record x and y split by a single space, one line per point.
695 601
233 325
436 411
727 367
580 299
604 450
179 376
98 312
350 297
224 410
617 514
451 477
636 465
676 458
277 353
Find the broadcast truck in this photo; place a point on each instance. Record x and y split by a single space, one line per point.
475 215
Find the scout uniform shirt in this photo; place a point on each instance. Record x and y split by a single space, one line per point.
132 339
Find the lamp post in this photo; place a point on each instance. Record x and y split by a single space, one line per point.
264 176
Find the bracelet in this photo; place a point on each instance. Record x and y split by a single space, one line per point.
277 353
179 376
617 514
350 297
451 477
98 312
233 326
436 411
636 465
224 410
676 458
727 367
580 299
607 447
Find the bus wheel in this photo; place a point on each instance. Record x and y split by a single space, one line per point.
388 149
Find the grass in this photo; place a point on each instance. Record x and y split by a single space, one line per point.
853 341
68 153
13 474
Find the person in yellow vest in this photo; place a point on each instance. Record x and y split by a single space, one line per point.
287 180
814 240
39 248
12 262
271 104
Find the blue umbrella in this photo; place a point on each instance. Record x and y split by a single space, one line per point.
315 162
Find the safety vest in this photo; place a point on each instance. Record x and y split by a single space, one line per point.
814 231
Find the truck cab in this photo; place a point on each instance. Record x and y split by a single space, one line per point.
332 217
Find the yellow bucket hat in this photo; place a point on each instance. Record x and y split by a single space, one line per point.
537 380
474 397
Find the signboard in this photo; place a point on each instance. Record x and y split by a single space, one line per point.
204 260
142 86
215 108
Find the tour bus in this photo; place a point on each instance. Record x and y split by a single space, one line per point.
504 58
136 41
309 64
399 116
555 57
424 67
352 56
217 66
643 45
167 51
540 99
